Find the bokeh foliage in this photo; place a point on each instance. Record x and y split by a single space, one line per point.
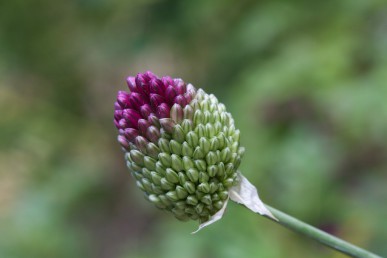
306 82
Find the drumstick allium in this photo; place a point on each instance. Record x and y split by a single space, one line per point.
181 146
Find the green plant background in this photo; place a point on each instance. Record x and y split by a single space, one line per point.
306 82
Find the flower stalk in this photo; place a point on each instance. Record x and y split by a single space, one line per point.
319 235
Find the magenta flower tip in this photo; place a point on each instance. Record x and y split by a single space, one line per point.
148 95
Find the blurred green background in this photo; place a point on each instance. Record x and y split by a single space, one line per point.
306 82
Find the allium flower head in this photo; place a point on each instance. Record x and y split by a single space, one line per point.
180 144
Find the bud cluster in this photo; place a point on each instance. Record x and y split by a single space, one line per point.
181 147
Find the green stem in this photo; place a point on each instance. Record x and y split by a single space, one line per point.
322 237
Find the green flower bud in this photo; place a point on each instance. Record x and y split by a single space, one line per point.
206 117
215 197
203 177
129 165
205 105
164 145
204 187
171 176
180 205
231 130
172 196
178 212
182 178
137 157
206 199
187 163
204 144
222 108
135 167
187 126
198 117
157 189
160 168
190 187
156 178
189 210
199 208
139 185
193 175
166 185
188 112
195 105
217 127
186 150
224 118
156 200
211 158
221 187
218 205
164 134
165 159
177 162
198 153
213 187
181 192
152 150
212 170
221 170
233 158
222 140
229 169
192 200
146 173
210 130
199 194
214 114
192 139
137 175
201 130
149 163
223 195
178 134
200 165
226 154
214 144
228 182
165 200
147 185
175 147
